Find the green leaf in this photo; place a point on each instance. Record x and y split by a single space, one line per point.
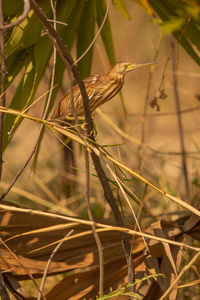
22 97
85 36
177 19
21 37
188 48
106 32
27 33
192 32
69 14
121 6
14 64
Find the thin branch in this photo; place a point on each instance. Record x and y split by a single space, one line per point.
20 20
180 126
3 84
97 34
65 54
49 262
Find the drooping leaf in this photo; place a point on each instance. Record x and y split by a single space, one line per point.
35 68
85 37
21 37
180 20
13 65
145 5
71 15
121 6
106 32
22 95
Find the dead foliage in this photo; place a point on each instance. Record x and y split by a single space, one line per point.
30 237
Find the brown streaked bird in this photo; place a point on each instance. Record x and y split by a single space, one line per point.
100 88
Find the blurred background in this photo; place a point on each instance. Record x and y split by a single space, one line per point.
136 39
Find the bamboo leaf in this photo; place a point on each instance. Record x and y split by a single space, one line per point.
85 37
145 5
72 15
121 6
21 37
177 18
106 32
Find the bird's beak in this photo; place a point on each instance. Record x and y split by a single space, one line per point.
137 66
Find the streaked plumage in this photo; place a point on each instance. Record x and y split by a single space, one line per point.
100 88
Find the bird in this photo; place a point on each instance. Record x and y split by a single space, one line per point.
100 89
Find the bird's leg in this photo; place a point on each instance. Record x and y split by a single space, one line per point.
94 131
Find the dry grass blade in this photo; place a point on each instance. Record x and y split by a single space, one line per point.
102 153
37 199
188 284
50 217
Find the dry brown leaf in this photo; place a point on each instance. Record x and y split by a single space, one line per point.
15 288
81 252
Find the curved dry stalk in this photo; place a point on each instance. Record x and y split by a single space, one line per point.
97 34
49 262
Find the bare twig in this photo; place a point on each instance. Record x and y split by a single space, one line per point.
3 83
49 262
180 126
63 51
97 34
21 19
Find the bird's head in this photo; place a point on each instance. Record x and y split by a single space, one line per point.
123 68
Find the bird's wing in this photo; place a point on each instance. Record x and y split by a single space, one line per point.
63 107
